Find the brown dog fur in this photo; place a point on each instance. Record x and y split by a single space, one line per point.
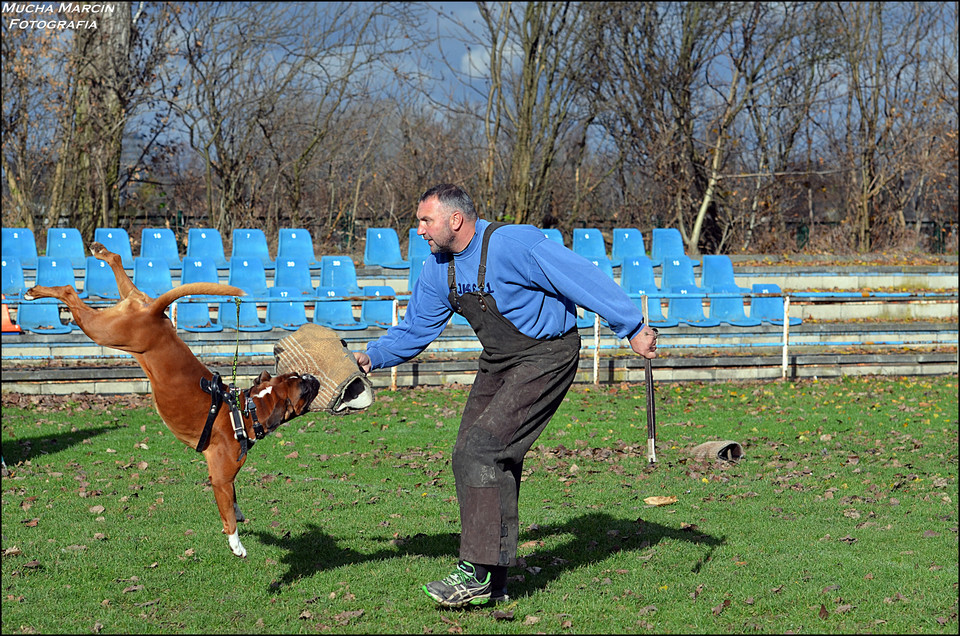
137 324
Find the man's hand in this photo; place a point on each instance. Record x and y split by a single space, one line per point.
363 361
645 342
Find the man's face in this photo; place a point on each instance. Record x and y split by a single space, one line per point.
434 225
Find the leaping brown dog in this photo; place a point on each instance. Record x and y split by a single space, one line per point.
137 324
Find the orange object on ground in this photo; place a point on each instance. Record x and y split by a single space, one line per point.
8 326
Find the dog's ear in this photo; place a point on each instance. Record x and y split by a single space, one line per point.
263 377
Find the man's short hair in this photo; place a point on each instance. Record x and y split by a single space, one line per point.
451 197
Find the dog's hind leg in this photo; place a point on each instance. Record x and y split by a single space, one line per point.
124 284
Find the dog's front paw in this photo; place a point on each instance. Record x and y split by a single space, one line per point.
235 546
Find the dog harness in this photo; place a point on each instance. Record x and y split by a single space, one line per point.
218 393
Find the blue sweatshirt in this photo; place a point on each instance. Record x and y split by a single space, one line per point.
536 282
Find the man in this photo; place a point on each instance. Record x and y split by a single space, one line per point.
519 291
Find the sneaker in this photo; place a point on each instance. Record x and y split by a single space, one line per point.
460 588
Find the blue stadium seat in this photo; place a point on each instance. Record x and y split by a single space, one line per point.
636 273
339 271
730 309
195 316
383 249
627 243
251 243
769 310
588 242
459 319
13 283
66 243
377 313
553 234
160 242
152 275
117 241
289 313
334 313
717 271
296 243
41 316
677 271
416 264
586 321
54 272
248 318
20 243
688 307
666 243
654 306
294 272
417 246
248 274
99 280
206 243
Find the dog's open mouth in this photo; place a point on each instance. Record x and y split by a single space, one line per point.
309 388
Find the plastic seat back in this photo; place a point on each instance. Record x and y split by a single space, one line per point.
199 270
242 316
248 274
66 243
98 280
627 244
334 312
296 243
588 242
666 243
117 241
54 272
152 275
206 243
160 242
19 242
654 306
677 271
13 282
251 244
729 309
769 309
374 312
383 249
553 234
338 271
636 273
294 272
417 246
688 307
289 312
717 271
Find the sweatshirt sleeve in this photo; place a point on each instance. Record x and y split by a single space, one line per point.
426 316
571 275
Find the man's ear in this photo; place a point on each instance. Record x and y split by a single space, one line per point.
456 220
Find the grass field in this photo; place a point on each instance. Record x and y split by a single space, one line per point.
842 518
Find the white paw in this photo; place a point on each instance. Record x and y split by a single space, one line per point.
236 546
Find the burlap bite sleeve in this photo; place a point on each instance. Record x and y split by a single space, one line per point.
319 351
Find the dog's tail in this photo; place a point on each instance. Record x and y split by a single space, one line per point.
192 289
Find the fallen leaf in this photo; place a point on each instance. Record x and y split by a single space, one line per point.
97 509
132 588
694 594
12 551
722 606
530 620
500 615
843 609
823 613
660 501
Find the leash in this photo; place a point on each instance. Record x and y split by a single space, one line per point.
236 352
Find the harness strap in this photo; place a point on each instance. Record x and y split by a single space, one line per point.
215 388
218 391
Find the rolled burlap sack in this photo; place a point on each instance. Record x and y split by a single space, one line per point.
319 351
726 451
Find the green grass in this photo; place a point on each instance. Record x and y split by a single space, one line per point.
842 518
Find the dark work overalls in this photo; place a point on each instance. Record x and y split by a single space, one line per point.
520 384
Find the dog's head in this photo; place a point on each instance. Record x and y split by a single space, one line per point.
283 397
